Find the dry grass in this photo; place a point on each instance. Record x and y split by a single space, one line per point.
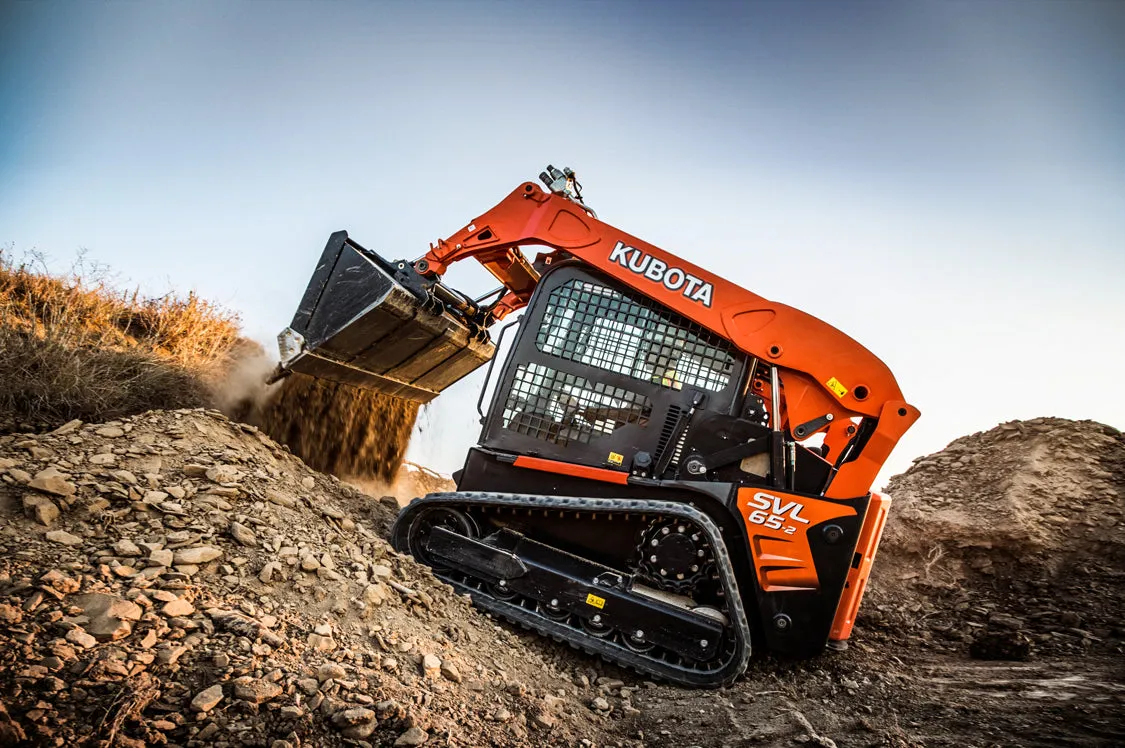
72 346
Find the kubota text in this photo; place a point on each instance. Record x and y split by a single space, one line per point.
656 270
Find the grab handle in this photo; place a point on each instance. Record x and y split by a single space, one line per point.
491 363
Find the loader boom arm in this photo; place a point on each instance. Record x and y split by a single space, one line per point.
827 379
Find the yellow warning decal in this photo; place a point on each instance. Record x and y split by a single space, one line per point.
597 602
838 388
616 459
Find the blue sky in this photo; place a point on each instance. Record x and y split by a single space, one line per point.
944 181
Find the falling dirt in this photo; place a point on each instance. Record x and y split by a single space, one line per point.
340 429
351 433
412 481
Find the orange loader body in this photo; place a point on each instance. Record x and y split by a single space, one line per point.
672 467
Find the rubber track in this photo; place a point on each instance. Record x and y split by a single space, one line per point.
562 632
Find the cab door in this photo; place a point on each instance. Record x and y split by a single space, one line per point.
598 374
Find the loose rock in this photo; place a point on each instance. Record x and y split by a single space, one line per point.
110 616
178 607
126 547
243 534
330 670
81 638
40 508
413 736
196 556
207 699
356 723
63 537
52 484
257 691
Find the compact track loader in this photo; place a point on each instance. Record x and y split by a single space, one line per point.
672 468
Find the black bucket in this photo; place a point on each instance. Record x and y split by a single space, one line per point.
356 324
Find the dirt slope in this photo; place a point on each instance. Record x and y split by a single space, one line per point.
174 577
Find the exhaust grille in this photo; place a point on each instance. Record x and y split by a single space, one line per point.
667 433
675 412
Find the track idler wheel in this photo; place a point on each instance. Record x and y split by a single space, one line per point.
553 611
451 519
501 591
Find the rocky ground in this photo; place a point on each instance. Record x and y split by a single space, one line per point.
178 579
174 578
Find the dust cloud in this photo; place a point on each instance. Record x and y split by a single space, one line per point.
241 390
411 481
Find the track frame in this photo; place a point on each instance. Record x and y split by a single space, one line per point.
516 608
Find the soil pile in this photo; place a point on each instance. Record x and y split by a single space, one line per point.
177 578
1039 492
1011 540
340 429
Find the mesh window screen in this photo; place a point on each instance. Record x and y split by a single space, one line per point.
598 326
558 407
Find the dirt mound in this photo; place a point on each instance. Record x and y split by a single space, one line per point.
177 578
1009 541
1043 491
340 429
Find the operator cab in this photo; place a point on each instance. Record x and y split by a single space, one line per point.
600 376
